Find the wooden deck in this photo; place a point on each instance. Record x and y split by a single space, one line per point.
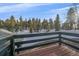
50 50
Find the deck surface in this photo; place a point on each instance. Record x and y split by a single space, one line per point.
50 50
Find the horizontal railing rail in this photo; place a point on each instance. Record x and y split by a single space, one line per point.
32 41
34 35
5 45
77 48
70 34
69 39
33 46
42 41
74 40
35 40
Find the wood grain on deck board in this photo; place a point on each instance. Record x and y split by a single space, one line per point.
49 50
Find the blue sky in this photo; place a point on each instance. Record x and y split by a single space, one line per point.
37 10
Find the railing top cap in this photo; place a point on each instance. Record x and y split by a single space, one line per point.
35 33
47 32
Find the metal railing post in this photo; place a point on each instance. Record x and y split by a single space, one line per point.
12 47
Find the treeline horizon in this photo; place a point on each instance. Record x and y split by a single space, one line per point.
36 25
31 24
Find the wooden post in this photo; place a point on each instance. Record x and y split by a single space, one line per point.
18 47
60 41
12 47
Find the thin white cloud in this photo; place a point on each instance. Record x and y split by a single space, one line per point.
18 7
61 11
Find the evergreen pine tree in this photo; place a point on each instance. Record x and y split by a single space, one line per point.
57 23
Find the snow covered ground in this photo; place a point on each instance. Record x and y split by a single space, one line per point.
44 31
4 33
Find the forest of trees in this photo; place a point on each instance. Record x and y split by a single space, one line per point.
37 24
33 25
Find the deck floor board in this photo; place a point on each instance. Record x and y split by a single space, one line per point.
50 50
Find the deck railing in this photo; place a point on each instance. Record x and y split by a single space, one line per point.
8 46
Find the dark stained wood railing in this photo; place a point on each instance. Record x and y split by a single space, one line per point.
74 40
7 45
